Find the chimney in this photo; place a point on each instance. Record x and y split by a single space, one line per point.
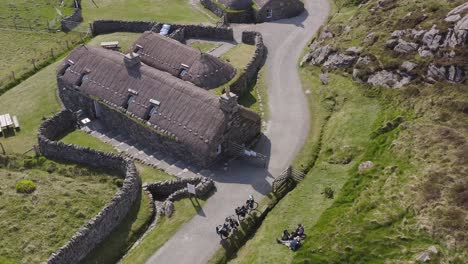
132 59
228 102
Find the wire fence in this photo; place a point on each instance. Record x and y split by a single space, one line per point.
39 60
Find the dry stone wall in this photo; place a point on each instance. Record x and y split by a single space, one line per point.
190 31
98 228
249 74
73 20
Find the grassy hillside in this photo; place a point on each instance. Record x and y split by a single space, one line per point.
143 10
35 225
416 194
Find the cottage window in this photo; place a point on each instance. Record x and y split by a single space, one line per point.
183 72
152 111
219 149
138 49
269 13
65 69
130 99
83 78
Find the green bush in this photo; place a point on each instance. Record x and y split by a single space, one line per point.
25 186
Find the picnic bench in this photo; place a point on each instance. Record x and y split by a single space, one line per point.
112 45
6 122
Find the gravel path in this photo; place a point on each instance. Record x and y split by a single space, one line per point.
196 241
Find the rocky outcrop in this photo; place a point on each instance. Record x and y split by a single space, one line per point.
339 60
451 73
319 55
442 44
405 47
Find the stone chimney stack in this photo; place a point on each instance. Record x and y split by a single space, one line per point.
229 102
132 59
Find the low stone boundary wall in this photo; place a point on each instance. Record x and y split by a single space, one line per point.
245 16
164 194
73 20
249 74
98 228
190 31
177 189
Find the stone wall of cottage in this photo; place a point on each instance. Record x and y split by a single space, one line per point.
114 118
70 22
98 228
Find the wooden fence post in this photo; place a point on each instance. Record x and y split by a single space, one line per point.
13 74
52 52
33 61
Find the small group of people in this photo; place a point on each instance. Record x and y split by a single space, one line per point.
293 240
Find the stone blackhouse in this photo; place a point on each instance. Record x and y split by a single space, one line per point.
153 107
254 11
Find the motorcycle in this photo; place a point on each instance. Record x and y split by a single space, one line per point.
223 231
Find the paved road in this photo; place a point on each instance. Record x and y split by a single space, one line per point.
286 131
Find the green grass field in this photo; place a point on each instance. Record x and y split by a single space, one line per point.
35 225
36 14
19 48
125 39
204 46
31 100
345 136
171 11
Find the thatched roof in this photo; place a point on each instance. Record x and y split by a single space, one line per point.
191 114
171 56
236 4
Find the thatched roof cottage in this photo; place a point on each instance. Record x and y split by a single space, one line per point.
182 61
153 107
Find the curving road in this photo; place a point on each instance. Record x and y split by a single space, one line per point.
196 241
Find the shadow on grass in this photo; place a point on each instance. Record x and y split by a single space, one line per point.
123 237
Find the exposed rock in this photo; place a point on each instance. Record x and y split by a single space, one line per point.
451 73
398 33
455 74
433 250
384 78
452 18
339 60
356 75
417 34
319 55
346 29
460 32
425 53
305 59
353 51
432 38
427 255
365 165
371 38
364 60
459 9
391 44
405 47
423 257
325 34
436 73
408 66
384 3
324 78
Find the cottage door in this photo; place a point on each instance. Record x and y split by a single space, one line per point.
97 109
